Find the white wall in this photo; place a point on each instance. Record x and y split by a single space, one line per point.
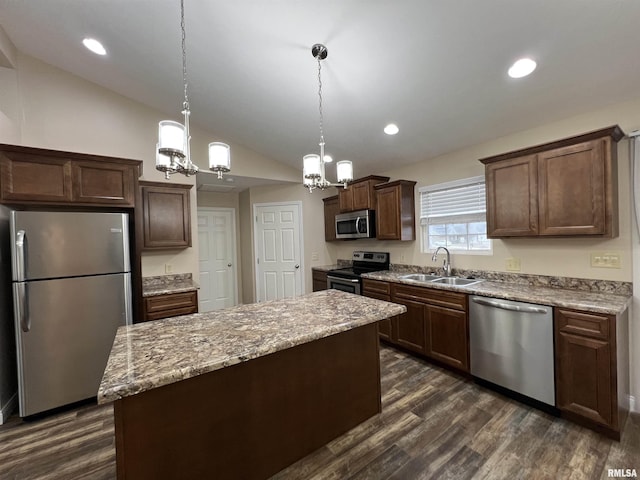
42 106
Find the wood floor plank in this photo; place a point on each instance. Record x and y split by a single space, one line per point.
433 425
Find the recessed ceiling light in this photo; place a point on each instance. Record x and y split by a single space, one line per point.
391 129
328 159
94 45
522 68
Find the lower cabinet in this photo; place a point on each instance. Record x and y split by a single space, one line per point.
381 291
435 324
170 305
319 279
447 336
412 327
590 381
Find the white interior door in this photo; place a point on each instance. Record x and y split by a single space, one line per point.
217 246
278 248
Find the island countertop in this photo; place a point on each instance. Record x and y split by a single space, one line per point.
152 354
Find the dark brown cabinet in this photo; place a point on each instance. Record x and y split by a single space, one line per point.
563 188
411 327
166 215
381 291
170 305
331 209
395 212
103 183
588 376
512 197
37 176
359 194
448 336
435 324
319 279
444 319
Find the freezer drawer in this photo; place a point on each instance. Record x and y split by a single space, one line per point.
64 333
511 345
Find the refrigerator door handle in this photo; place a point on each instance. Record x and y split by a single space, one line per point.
22 306
21 243
128 314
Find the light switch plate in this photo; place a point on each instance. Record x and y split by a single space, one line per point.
606 260
513 264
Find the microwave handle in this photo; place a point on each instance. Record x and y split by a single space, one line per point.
358 224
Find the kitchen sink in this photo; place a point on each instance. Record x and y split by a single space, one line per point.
460 282
420 277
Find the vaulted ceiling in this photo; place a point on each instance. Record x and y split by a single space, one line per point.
435 68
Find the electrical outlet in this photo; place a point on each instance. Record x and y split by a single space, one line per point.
513 264
315 257
168 268
605 259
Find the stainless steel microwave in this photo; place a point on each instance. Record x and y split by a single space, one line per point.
360 224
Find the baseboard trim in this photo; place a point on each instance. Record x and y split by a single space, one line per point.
7 408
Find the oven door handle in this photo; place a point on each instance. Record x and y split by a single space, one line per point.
354 280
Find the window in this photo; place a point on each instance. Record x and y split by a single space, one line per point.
453 215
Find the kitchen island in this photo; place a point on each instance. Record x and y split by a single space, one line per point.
243 392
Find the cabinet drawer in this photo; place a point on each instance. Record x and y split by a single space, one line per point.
376 286
432 296
170 305
584 324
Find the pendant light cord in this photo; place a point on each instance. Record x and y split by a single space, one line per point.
184 55
320 107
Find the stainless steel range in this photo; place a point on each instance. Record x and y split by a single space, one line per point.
350 279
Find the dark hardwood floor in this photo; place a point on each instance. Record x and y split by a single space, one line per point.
434 424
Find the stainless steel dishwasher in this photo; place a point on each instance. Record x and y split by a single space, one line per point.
511 345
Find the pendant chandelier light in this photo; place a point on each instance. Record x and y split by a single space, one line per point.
173 153
313 171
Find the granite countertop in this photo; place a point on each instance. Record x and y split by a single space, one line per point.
152 354
165 284
597 302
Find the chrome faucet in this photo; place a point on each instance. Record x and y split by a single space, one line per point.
446 266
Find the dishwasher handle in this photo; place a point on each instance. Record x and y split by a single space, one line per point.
507 306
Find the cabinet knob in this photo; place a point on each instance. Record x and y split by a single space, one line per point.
297 266
228 264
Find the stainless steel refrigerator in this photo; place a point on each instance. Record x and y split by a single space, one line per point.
71 291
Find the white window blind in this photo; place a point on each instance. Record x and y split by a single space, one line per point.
453 215
440 202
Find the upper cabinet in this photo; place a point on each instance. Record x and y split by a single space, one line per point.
331 209
395 212
166 215
359 194
563 188
37 176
